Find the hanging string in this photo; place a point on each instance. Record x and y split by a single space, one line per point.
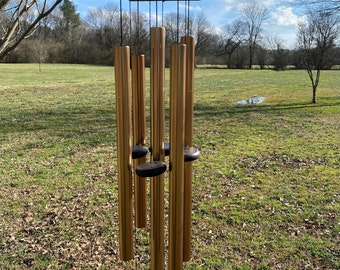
177 21
185 16
156 13
130 26
162 12
121 24
150 14
189 32
138 28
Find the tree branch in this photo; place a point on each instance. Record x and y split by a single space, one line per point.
14 35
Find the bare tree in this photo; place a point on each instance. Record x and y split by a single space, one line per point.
262 56
139 35
20 19
254 15
316 38
322 5
202 32
105 17
170 23
175 27
233 36
39 52
198 25
278 52
106 23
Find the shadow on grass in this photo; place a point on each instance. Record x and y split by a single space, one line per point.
95 124
84 123
222 108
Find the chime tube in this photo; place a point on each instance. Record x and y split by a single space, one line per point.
123 118
139 124
189 41
176 174
157 79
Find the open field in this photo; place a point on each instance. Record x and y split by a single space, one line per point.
266 191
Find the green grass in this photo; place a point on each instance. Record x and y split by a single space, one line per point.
266 188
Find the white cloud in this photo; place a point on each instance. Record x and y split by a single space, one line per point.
262 3
226 5
229 1
268 3
192 8
284 16
228 9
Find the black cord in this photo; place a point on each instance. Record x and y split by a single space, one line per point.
162 13
130 27
185 16
121 24
177 21
156 13
188 17
138 28
149 14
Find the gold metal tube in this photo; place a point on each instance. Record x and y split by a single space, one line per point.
139 127
176 176
189 41
123 117
157 70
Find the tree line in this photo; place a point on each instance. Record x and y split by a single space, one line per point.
64 37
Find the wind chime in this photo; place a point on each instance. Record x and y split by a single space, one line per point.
180 149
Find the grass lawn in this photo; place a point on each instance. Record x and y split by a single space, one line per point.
266 191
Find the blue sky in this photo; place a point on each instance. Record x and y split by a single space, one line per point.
282 22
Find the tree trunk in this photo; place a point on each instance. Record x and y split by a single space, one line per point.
250 58
314 81
314 94
229 61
